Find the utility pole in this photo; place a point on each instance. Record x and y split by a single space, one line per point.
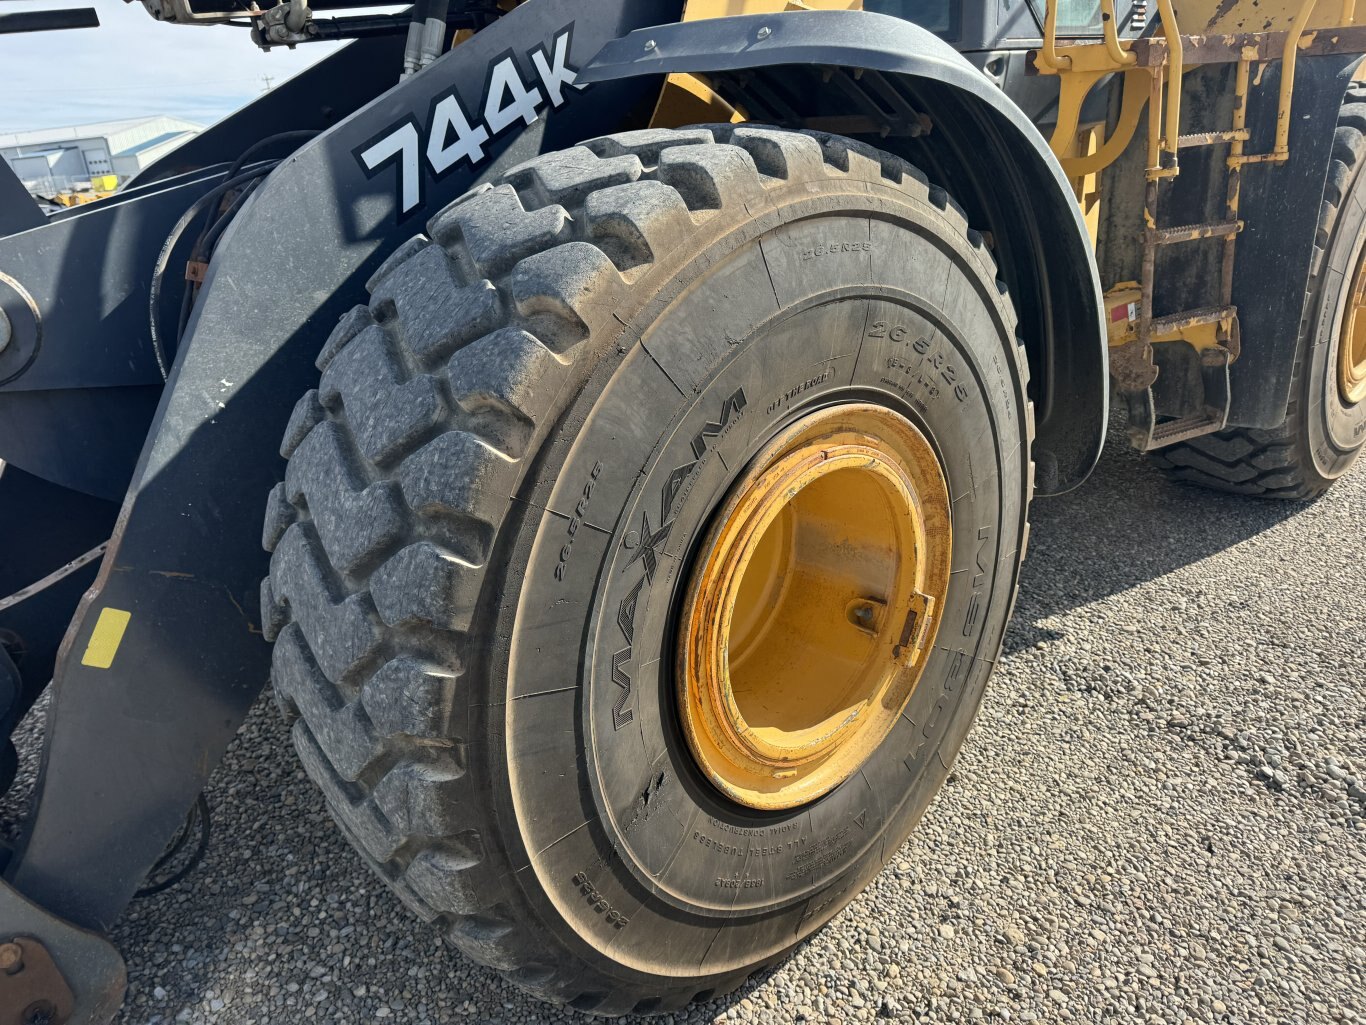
268 80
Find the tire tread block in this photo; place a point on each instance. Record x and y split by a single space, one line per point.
432 311
340 729
495 231
461 484
341 631
568 177
408 698
387 411
423 584
504 383
355 519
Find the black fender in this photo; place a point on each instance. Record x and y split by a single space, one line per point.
981 148
165 654
1280 207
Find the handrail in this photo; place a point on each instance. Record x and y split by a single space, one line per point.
1175 68
1132 105
1049 54
1117 53
1292 51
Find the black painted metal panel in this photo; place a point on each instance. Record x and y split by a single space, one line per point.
49 21
78 380
77 291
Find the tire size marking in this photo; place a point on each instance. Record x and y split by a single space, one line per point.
1008 399
743 850
576 521
833 248
927 370
452 137
599 903
647 543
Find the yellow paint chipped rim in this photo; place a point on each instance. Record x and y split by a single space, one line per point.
813 605
1352 342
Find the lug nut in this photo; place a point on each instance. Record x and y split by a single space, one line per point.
11 958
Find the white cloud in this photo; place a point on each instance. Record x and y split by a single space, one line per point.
132 66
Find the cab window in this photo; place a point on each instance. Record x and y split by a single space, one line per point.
939 16
1075 17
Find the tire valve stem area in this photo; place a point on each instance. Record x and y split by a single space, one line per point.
842 520
864 613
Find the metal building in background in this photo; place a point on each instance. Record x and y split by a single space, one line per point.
52 160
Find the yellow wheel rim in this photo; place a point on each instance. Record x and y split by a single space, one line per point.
813 605
1352 344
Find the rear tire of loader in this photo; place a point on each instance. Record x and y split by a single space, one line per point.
1325 423
499 496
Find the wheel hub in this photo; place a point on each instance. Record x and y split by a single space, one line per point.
1352 344
814 601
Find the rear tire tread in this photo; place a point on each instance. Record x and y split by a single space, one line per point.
1276 462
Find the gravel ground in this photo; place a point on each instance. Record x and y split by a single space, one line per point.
1160 815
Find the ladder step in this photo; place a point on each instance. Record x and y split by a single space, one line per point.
1174 322
1190 232
1172 431
1212 138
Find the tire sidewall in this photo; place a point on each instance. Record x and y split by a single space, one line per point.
1336 430
626 855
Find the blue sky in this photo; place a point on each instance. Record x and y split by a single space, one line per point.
133 66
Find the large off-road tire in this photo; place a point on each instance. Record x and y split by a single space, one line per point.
492 508
1324 429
